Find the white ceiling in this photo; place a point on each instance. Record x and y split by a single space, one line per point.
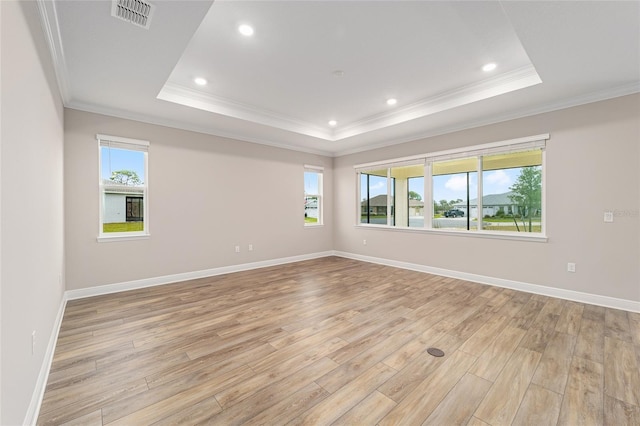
279 87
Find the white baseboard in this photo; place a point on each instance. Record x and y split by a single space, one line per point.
168 279
41 383
576 296
36 399
593 299
38 393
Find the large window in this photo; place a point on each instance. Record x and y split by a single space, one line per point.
123 182
494 188
313 196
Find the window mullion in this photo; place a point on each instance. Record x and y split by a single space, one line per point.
479 207
543 197
428 196
389 197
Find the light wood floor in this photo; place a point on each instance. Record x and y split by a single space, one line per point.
337 341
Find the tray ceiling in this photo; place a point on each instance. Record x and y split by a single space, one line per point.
308 63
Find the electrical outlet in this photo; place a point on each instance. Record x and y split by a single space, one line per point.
571 267
250 247
237 249
364 242
608 217
33 342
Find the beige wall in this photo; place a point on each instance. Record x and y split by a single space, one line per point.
32 205
206 195
592 165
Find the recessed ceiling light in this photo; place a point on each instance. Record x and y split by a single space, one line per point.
200 81
489 67
392 101
246 30
333 123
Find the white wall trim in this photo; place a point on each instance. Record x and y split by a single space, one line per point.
507 82
168 279
51 31
332 151
41 383
175 124
576 296
187 96
38 393
598 96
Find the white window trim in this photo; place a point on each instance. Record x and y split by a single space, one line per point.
134 145
506 146
319 170
518 144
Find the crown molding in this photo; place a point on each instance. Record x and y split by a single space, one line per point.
598 96
196 99
507 82
624 90
158 121
51 30
523 77
504 83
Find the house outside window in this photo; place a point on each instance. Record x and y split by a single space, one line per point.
313 202
123 183
495 188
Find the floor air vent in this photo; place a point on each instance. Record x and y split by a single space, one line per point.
137 12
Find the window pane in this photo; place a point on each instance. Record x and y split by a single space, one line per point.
454 194
407 196
312 198
123 185
416 202
311 212
392 200
373 205
512 192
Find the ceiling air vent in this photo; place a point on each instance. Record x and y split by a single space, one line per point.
137 12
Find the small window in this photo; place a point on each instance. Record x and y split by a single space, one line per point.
455 184
123 183
393 196
313 196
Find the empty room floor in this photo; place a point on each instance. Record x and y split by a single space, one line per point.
338 341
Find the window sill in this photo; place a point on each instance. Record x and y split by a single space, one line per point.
122 237
517 236
310 225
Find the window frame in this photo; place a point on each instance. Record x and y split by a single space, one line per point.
477 152
392 196
319 170
139 145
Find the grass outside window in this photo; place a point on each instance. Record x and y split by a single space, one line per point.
123 227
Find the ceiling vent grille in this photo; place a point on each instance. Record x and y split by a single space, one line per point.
137 12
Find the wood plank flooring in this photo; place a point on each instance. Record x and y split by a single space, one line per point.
337 341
